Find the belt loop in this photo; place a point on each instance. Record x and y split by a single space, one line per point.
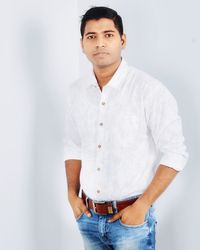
86 198
86 201
94 207
115 206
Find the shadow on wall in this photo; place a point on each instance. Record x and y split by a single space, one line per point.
46 138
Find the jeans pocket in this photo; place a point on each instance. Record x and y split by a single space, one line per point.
133 226
142 225
79 217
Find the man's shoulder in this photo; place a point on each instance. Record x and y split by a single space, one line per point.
149 84
72 91
77 86
146 79
152 87
77 83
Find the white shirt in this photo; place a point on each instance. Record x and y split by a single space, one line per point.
122 133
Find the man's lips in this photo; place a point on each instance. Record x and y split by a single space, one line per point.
100 53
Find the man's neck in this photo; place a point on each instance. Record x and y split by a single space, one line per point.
103 75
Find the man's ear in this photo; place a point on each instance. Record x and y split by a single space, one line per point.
123 40
81 42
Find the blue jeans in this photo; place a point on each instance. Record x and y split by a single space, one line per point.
98 234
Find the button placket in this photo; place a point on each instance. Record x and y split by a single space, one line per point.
100 142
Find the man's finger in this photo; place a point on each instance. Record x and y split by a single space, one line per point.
115 217
86 212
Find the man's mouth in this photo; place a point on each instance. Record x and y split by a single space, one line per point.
100 53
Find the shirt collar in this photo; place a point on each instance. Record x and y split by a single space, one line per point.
116 80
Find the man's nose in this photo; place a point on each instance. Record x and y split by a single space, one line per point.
100 42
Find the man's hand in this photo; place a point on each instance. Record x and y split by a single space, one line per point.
131 215
78 206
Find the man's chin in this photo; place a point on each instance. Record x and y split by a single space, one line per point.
102 64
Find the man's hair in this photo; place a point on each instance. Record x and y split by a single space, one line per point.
95 13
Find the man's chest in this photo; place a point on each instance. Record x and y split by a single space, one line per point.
115 117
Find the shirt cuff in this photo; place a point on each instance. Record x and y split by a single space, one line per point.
69 155
174 161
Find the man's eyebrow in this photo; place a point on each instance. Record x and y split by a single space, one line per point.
90 33
108 31
105 31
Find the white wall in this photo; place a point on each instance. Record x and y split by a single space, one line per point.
163 40
39 56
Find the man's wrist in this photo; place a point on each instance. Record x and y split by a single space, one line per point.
72 195
142 204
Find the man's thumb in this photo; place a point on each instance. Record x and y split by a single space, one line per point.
115 217
87 212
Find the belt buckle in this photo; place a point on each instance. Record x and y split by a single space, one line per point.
110 207
94 205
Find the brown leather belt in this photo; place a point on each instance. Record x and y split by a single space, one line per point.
106 207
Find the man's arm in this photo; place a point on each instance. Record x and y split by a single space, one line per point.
73 168
163 177
164 123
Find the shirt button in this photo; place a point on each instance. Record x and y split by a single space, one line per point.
103 103
98 169
98 191
99 146
101 124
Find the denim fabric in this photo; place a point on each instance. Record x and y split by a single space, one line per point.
99 234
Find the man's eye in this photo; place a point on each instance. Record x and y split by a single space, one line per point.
109 35
91 37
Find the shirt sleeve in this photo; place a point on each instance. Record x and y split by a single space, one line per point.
72 141
166 128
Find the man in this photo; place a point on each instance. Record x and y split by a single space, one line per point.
123 139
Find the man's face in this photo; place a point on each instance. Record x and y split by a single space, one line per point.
102 42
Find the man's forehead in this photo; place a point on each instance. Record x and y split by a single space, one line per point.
99 25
